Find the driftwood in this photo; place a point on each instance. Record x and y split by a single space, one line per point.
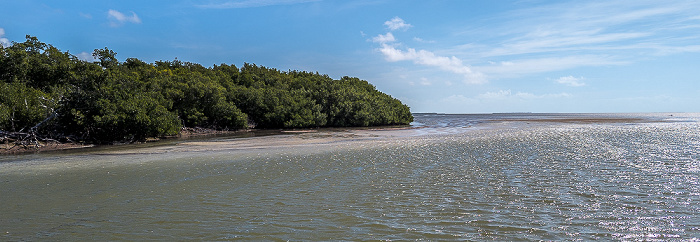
29 140
26 140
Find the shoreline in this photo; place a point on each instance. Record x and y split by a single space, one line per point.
16 149
192 135
316 136
12 148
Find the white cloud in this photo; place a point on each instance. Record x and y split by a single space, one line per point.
516 68
387 38
252 3
561 36
495 95
85 56
668 50
497 101
397 23
611 27
425 82
571 81
4 41
422 57
458 100
427 58
118 18
554 37
507 94
562 41
422 40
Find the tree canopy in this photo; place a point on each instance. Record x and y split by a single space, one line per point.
48 91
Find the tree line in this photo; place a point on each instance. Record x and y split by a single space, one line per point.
46 91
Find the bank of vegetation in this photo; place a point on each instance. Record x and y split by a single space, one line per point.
46 93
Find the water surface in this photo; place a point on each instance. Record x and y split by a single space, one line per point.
452 177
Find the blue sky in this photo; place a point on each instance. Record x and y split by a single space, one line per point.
436 56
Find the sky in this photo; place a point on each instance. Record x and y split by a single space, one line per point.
448 56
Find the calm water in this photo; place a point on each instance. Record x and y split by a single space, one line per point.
456 177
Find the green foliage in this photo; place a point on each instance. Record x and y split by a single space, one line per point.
22 107
107 57
107 101
133 118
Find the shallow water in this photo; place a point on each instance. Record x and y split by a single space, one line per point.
456 177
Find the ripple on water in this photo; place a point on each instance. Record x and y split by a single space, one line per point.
539 182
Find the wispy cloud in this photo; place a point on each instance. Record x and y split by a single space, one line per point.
571 81
422 40
4 41
423 82
551 37
397 23
250 3
575 34
508 94
550 42
531 65
384 38
118 18
427 58
599 27
501 101
391 51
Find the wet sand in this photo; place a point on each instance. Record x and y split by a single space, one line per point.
10 148
289 139
209 140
